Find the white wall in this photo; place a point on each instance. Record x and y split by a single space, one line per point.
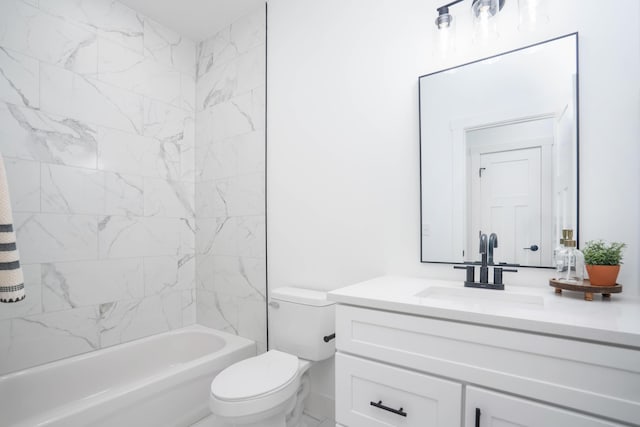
343 201
342 156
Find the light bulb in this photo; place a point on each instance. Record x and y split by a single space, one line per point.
444 19
444 24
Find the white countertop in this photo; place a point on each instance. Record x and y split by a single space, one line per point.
533 309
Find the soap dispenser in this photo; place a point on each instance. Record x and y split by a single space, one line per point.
558 255
573 261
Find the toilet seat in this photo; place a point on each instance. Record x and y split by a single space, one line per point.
255 376
255 385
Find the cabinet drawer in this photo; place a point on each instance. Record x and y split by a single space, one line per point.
500 410
584 376
371 394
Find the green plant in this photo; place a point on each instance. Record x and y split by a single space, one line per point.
597 252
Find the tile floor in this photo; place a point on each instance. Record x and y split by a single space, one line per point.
307 421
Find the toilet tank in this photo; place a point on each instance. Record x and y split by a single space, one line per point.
299 319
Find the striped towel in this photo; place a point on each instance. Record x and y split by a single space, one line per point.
11 279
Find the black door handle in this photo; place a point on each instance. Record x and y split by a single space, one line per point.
477 417
386 408
532 248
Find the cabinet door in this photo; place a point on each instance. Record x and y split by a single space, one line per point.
485 408
371 394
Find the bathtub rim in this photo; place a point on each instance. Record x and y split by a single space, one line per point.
236 341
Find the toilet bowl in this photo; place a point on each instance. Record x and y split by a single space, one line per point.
261 391
269 390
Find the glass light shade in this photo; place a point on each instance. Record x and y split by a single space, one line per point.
484 27
484 9
532 14
445 32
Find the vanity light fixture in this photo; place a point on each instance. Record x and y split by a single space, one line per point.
444 19
533 13
445 28
485 9
481 9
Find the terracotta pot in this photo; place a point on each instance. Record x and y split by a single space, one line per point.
603 275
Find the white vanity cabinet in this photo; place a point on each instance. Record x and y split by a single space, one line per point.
440 372
372 394
491 409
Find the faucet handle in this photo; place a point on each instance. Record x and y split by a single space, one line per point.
497 274
471 271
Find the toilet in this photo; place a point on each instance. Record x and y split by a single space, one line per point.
269 390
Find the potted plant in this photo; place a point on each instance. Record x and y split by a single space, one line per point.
603 261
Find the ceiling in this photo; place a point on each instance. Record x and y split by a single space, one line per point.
195 19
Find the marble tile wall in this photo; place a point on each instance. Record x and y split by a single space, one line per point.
97 127
230 179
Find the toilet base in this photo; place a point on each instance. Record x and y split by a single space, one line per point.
272 418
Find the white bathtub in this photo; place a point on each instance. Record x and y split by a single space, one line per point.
158 381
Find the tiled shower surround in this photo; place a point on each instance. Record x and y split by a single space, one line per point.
230 183
98 131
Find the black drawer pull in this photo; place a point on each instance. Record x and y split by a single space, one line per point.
386 408
478 413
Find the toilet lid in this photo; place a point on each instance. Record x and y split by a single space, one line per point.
255 376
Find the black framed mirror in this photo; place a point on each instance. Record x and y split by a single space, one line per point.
499 154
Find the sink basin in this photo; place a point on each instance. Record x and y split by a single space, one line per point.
462 294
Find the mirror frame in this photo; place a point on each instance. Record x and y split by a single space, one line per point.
577 125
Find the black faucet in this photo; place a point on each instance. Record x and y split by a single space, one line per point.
493 243
486 251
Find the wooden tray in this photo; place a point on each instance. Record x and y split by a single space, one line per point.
585 287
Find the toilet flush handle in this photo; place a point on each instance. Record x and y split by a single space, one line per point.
328 338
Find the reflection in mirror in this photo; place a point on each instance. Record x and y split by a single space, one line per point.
499 154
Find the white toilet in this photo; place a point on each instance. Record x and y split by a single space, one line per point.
269 390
